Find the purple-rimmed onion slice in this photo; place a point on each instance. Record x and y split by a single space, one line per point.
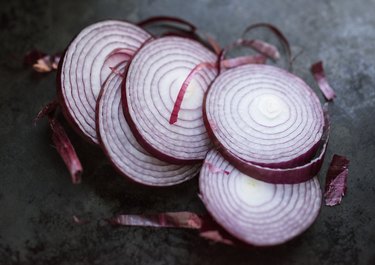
85 66
256 212
122 148
153 81
262 115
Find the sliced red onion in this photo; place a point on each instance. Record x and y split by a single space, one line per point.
122 148
318 72
81 72
256 212
166 19
42 62
153 81
265 116
336 180
208 229
183 89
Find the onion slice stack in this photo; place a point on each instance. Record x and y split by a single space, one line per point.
153 81
256 212
122 148
85 66
267 122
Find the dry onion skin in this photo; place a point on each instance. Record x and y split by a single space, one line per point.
256 212
121 147
262 117
153 81
86 64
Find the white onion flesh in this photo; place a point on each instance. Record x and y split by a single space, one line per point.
153 81
257 212
81 73
265 115
122 148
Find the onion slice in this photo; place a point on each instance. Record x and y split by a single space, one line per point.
208 229
121 147
336 180
81 72
256 212
265 116
319 75
153 81
166 19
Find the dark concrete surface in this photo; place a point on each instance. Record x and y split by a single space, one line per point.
37 200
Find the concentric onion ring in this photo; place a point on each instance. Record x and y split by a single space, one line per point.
122 148
153 80
264 115
257 212
86 64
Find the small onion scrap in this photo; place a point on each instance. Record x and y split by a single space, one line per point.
153 81
261 115
256 212
121 147
85 65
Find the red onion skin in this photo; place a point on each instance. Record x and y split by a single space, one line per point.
319 75
336 180
238 241
119 171
141 140
270 175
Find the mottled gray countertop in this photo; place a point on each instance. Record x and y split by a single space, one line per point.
37 200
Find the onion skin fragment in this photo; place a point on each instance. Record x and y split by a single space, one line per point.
42 62
47 110
238 61
336 180
66 150
319 75
168 219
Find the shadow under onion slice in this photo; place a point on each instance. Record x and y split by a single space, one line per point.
261 117
336 180
153 81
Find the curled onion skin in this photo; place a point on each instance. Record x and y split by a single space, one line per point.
256 212
80 74
153 80
121 147
265 116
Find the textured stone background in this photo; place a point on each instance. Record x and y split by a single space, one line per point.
37 200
